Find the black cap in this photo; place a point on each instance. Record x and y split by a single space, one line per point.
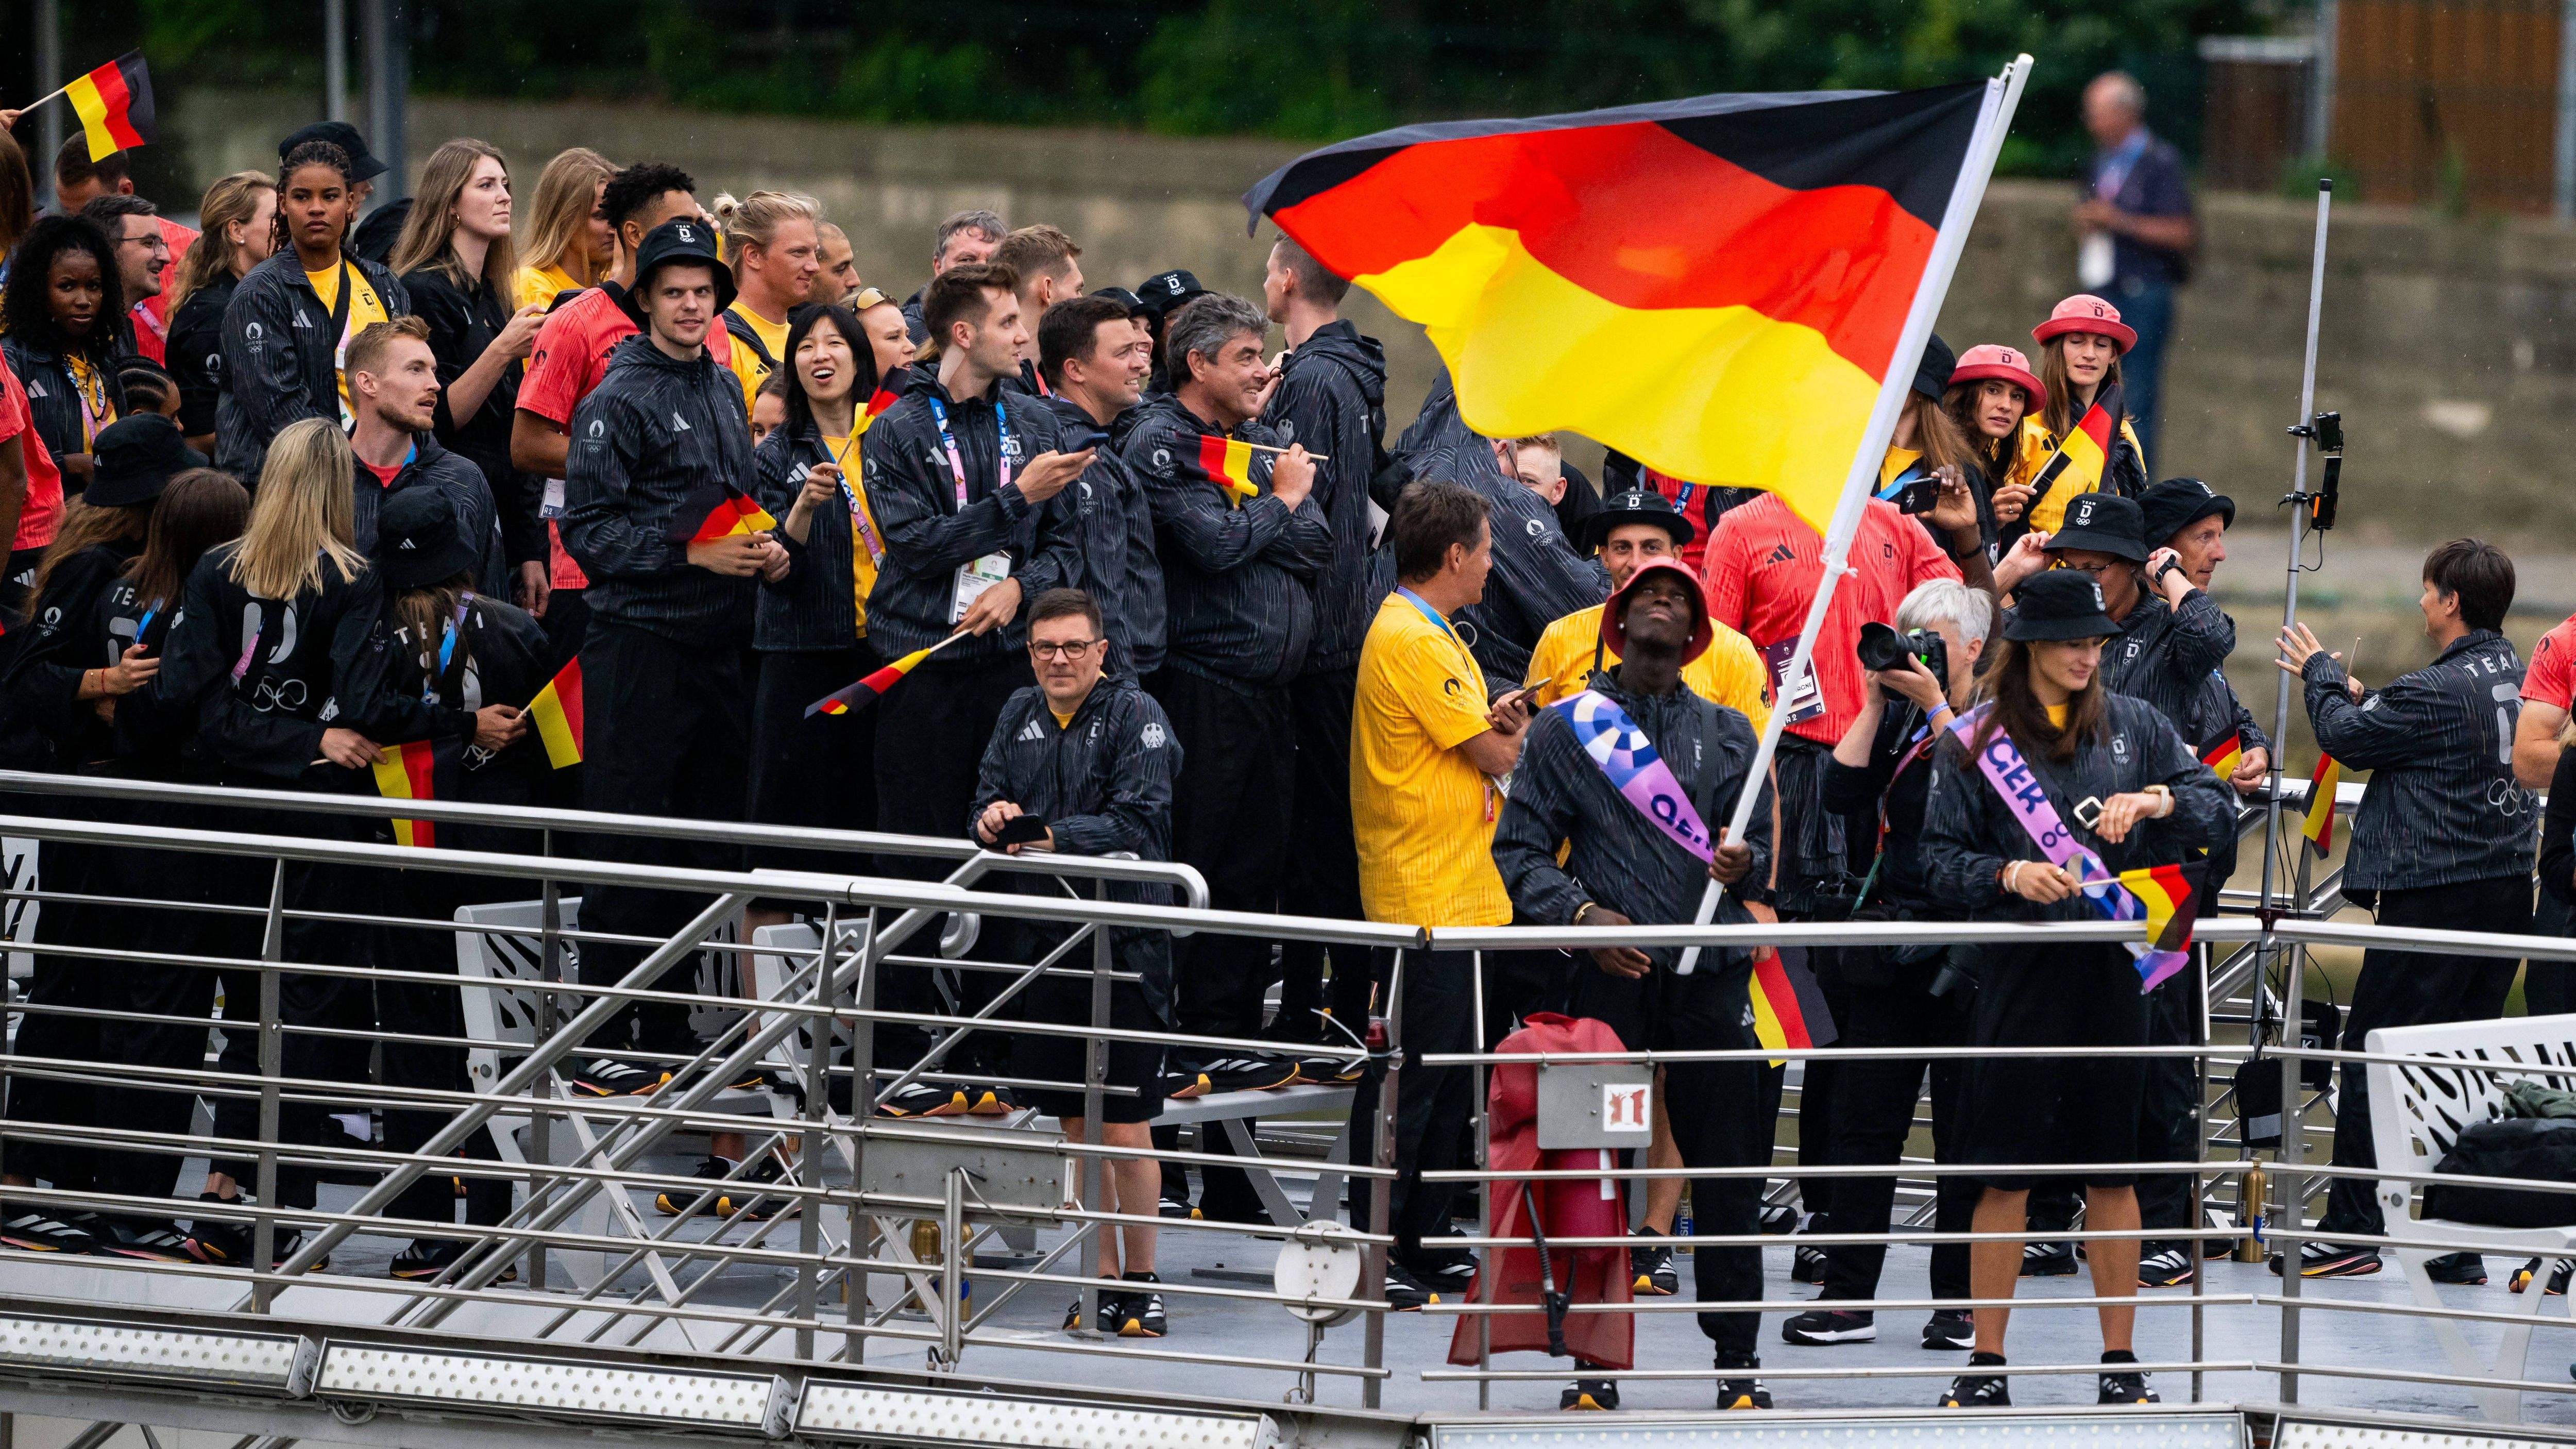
2059 604
1932 374
1122 297
2105 523
136 457
681 239
1637 505
1163 292
362 166
418 540
2177 504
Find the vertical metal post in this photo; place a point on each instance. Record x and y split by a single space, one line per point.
272 1065
2321 81
863 1095
2207 955
809 1144
541 1122
335 60
1381 1190
1095 1076
1487 1258
49 78
388 37
2562 190
952 1271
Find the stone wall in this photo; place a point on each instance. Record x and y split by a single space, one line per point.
2446 344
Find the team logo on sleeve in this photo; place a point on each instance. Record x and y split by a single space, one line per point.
1151 736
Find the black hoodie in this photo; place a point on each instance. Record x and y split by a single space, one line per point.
1114 520
281 357
1332 398
658 434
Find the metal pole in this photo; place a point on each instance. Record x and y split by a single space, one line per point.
2562 191
1381 1190
1490 1259
863 1069
2321 81
810 1143
541 1125
49 79
386 28
335 68
272 1065
1095 1076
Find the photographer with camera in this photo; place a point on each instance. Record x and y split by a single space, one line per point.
1899 996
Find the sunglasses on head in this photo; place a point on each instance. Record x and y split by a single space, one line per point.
867 297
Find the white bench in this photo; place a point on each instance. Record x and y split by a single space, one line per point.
2416 1111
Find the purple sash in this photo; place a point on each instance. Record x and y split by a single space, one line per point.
1628 760
2011 776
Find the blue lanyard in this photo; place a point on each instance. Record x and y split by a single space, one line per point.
447 644
956 464
2114 175
145 623
1912 472
1432 614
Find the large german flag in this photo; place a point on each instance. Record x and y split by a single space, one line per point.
1714 286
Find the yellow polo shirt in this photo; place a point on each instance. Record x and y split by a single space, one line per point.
746 364
365 310
538 285
1422 814
1729 672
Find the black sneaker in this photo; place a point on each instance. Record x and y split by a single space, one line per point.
2047 1260
732 1198
2125 1385
608 1077
1404 1292
1174 1207
2466 1269
1777 1220
1183 1081
922 1099
1737 1389
2326 1260
1973 1390
2167 1267
1249 1073
1651 1265
1590 1394
1140 1313
2558 1276
38 1231
1950 1330
1110 1313
227 1244
1807 1265
989 1101
1452 1273
1820 1327
426 1258
152 1240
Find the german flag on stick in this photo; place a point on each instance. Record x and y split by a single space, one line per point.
2224 754
889 392
1716 286
114 103
407 772
556 713
2171 895
2078 464
720 512
1227 463
1789 1011
2319 827
871 689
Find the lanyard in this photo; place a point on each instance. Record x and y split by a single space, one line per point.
1438 621
863 530
956 464
89 383
2114 175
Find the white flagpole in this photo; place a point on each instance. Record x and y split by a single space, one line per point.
2002 95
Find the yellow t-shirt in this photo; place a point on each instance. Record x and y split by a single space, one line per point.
1729 672
866 544
98 409
538 285
365 310
1062 721
1895 463
2038 445
1422 814
2057 714
746 364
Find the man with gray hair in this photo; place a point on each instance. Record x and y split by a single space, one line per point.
966 236
2136 233
1895 995
1241 547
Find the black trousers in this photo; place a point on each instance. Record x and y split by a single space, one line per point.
1230 819
2549 987
1323 865
1820 1089
2167 1129
2415 988
433 1010
666 732
931 732
1874 1114
1719 1120
63 984
814 770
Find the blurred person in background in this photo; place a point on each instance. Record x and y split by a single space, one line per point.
2136 232
143 256
965 237
571 242
1046 262
17 199
837 274
239 213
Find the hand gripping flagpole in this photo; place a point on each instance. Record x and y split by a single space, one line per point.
2003 93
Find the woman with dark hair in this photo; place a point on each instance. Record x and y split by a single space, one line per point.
2079 361
59 315
455 261
287 328
1991 391
2045 720
67 684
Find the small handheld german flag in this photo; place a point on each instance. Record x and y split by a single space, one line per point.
869 690
2319 827
1789 1012
115 105
408 772
1227 463
719 512
889 392
557 713
2224 753
2079 464
2171 894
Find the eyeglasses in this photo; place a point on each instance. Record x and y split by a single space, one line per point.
1075 649
867 297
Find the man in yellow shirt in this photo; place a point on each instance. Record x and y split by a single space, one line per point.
1630 529
1427 751
776 252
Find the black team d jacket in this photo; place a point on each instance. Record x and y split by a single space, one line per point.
431 465
462 323
280 353
1538 576
1332 398
2442 807
657 435
53 396
66 642
1114 519
815 606
1103 784
1240 581
929 537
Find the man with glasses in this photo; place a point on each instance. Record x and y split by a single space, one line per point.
1082 769
133 225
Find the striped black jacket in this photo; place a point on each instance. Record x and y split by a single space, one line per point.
656 434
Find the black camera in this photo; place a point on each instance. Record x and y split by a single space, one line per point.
1882 648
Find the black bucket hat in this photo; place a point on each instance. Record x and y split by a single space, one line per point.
682 239
362 165
136 458
2177 504
2059 604
1932 374
1637 505
2105 523
418 541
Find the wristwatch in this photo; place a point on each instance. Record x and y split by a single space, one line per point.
2170 565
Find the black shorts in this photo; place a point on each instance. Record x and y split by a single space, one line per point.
1066 1001
2069 1109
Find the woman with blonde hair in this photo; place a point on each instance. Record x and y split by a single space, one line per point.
571 244
455 261
239 215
